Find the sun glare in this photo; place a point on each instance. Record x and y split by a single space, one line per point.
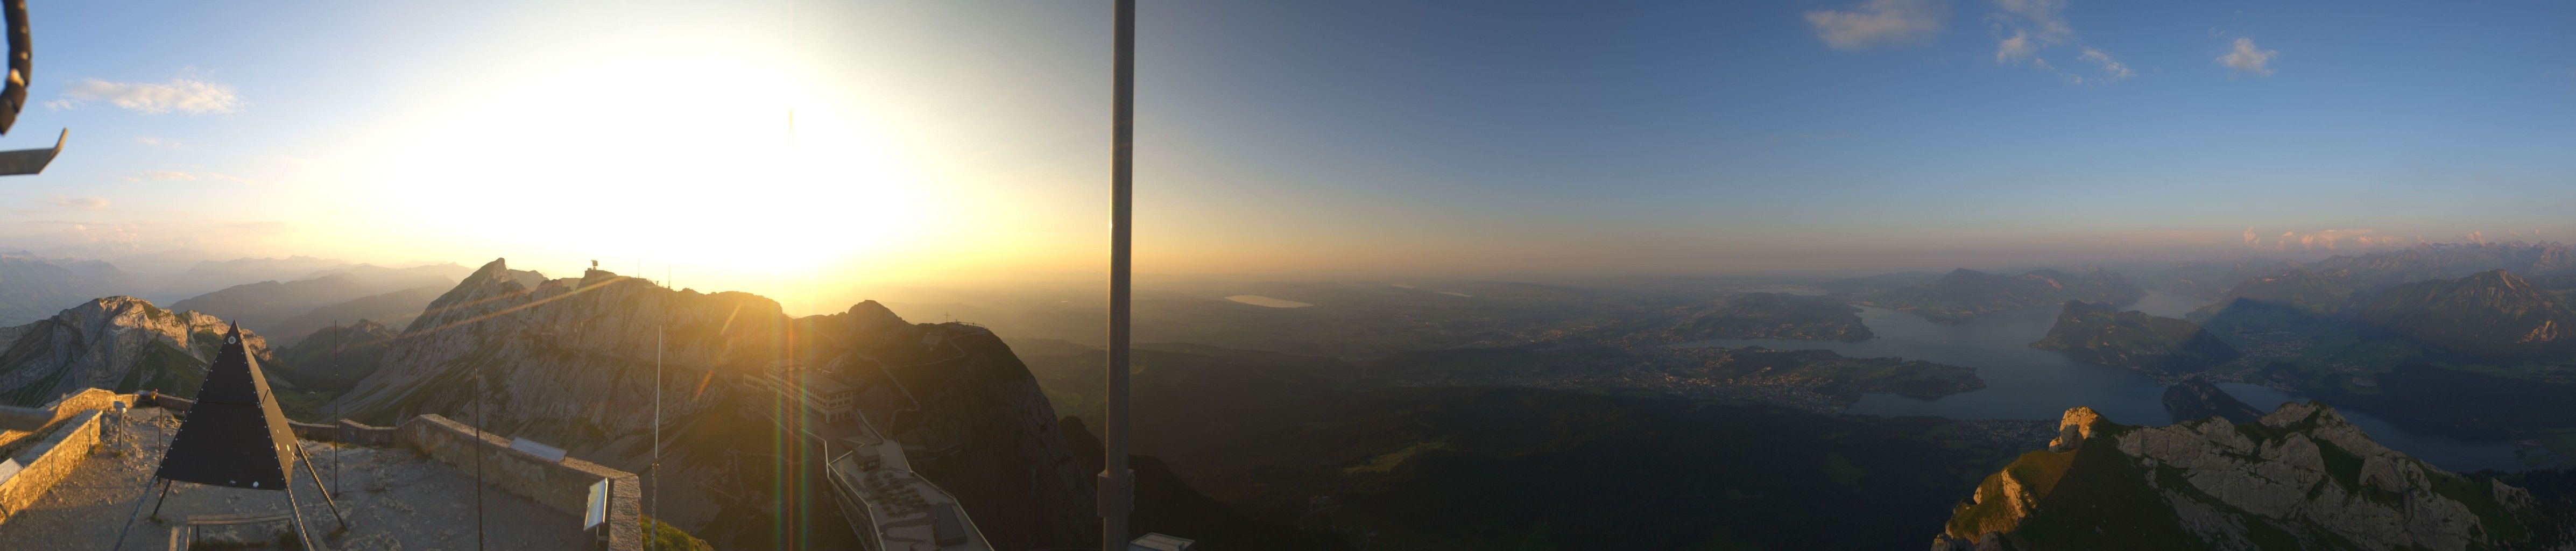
735 162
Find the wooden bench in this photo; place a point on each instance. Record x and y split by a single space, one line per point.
185 535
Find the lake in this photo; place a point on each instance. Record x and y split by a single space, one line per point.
2029 383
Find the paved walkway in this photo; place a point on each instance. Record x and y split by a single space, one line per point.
394 500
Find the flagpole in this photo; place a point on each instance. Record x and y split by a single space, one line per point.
1117 484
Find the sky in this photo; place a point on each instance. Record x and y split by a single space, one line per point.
812 151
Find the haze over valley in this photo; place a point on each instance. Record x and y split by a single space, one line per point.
1971 275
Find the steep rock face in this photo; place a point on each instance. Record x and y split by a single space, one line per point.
571 361
1965 293
2197 398
120 343
2102 334
2300 477
2490 315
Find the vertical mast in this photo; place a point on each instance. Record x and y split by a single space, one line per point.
1117 484
335 405
656 468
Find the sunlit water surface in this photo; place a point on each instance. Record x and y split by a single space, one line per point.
2029 383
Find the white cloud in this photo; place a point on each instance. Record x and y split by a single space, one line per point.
2015 48
2046 17
84 203
2038 25
179 94
2245 58
148 140
2111 69
1879 22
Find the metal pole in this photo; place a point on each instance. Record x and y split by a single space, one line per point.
478 461
336 426
1117 484
656 467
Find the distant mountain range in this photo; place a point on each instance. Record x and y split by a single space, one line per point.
33 289
356 291
1964 294
2491 315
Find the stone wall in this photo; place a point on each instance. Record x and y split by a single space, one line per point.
561 486
48 461
64 408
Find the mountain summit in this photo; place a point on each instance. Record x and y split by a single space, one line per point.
2299 478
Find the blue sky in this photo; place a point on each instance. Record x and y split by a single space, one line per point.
965 139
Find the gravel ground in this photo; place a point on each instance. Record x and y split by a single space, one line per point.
394 501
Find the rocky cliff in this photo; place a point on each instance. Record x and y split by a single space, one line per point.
2300 477
120 343
571 361
2100 333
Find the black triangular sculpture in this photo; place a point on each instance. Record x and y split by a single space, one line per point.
234 435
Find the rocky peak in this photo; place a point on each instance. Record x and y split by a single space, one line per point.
121 343
2074 427
2300 477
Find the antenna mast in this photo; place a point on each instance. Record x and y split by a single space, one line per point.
656 467
1117 484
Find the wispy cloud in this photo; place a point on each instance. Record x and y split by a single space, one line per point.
1879 22
2111 69
84 203
153 98
2038 25
148 140
2245 58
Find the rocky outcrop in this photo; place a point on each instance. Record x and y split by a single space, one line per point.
121 343
2100 333
571 362
2197 398
2300 477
